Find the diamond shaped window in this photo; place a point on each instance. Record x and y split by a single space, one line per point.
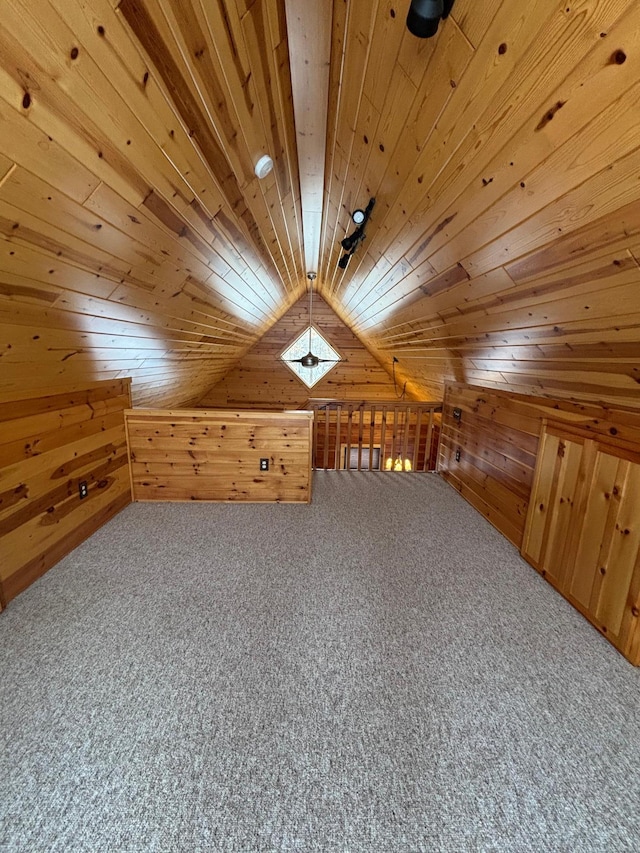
310 341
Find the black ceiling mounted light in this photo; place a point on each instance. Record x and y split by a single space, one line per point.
424 16
351 243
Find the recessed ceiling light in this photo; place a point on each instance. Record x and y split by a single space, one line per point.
264 166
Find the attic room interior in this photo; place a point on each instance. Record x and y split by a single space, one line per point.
319 425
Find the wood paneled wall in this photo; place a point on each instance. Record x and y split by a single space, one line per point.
503 250
215 456
498 435
48 445
136 239
260 379
583 528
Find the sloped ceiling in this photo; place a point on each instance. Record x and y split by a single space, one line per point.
503 155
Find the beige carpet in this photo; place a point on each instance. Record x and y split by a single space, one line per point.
377 672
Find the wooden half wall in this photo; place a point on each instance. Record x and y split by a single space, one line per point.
197 455
497 437
48 446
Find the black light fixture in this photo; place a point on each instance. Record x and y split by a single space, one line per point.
310 359
351 243
425 15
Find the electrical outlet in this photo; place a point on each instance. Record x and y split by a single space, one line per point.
264 464
458 455
83 489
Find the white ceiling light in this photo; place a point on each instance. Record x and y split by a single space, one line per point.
264 166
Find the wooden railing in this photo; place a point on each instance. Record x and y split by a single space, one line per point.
375 435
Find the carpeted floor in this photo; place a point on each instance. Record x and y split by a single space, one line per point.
379 671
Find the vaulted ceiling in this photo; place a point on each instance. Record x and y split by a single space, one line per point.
503 154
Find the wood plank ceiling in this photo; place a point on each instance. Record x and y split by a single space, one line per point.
504 156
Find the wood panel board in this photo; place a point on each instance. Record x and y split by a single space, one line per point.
48 444
223 453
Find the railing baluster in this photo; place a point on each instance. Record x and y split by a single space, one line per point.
394 436
372 429
406 442
315 436
326 437
427 449
405 438
416 440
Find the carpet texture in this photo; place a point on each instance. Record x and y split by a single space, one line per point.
379 671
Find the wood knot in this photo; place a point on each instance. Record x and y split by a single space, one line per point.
603 571
502 49
618 57
635 612
546 118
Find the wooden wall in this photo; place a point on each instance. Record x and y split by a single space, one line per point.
260 379
583 528
504 246
135 238
48 445
498 436
215 456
